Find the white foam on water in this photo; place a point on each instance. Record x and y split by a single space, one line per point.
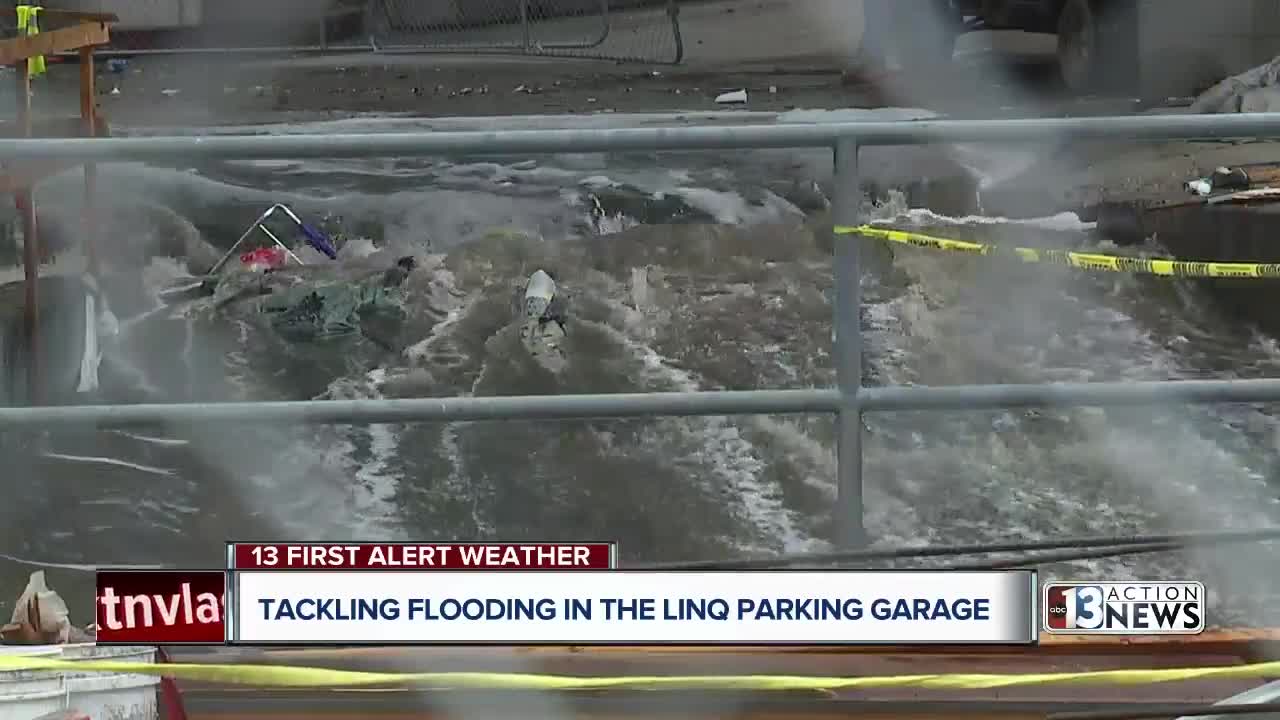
732 458
1063 221
730 208
369 452
1154 466
151 439
149 469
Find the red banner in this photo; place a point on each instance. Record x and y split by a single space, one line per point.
422 556
171 607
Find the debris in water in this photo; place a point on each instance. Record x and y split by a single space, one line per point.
115 90
169 92
1222 178
737 96
1199 187
40 617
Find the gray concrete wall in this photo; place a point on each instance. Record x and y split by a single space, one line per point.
143 14
1187 45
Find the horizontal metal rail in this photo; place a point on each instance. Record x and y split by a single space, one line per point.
457 409
632 405
1097 394
1150 712
516 142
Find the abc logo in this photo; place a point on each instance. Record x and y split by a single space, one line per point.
1074 607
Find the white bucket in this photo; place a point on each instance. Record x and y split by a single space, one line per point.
120 696
25 694
32 704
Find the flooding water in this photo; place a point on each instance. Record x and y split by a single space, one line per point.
685 272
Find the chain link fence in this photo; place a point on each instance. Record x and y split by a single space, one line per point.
622 30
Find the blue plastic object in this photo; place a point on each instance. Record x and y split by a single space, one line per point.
317 240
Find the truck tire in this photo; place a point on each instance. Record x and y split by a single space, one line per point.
1079 45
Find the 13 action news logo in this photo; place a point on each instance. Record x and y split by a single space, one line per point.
1125 608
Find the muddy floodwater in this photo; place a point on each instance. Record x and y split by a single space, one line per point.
685 271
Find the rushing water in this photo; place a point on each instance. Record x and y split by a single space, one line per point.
686 271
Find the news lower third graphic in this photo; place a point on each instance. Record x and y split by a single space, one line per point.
422 556
1124 608
357 605
631 607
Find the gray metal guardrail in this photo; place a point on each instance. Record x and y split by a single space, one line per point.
848 401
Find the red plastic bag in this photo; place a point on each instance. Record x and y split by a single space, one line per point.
263 259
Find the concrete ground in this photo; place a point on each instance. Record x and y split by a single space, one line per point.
786 53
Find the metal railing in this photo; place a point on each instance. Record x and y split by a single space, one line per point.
848 401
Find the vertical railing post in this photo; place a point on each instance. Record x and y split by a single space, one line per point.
848 347
526 35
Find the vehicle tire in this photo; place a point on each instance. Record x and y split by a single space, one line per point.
1079 45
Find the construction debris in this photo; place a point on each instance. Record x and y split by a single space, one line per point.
1254 90
40 617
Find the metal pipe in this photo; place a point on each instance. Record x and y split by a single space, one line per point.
516 142
919 552
534 407
848 349
249 231
265 50
1101 394
562 407
1146 712
673 13
25 200
526 34
1065 556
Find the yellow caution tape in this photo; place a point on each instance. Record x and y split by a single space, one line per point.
27 25
286 676
1083 261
